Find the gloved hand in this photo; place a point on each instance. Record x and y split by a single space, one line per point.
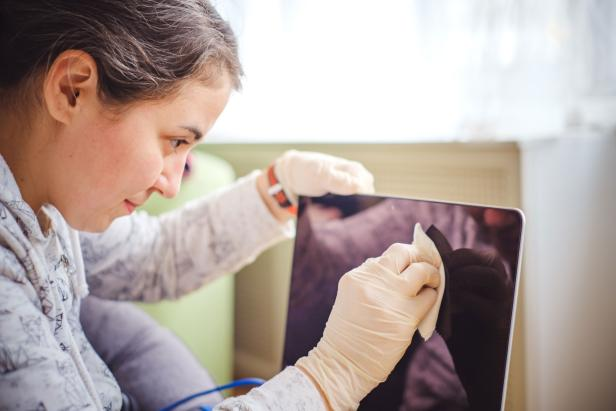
316 174
377 310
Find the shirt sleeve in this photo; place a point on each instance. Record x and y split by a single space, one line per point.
147 258
34 372
289 390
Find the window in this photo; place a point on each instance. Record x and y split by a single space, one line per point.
420 70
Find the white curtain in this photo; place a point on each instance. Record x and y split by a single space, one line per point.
421 70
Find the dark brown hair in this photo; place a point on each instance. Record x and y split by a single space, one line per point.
143 49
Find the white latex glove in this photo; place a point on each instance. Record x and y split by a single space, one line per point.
315 174
378 307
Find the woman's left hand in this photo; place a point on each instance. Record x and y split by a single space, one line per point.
311 174
316 174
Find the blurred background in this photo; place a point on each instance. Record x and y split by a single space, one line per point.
419 70
499 102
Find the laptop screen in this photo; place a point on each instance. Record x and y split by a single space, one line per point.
463 366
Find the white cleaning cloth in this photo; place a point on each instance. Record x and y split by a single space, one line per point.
427 249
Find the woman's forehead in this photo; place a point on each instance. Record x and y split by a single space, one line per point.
195 105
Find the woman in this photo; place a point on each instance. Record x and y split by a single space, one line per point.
101 101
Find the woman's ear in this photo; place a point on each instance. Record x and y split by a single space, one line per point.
69 84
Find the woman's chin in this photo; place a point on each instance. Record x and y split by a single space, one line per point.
93 225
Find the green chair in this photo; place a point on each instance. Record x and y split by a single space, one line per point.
203 320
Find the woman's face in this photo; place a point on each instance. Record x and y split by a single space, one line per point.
109 164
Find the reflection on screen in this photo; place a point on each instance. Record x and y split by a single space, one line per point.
462 367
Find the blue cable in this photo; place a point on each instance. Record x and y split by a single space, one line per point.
233 384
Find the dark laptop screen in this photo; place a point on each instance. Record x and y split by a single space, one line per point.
463 366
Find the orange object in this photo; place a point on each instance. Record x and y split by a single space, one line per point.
277 191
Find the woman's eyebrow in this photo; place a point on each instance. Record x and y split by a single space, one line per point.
198 134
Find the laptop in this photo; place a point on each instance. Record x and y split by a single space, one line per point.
464 365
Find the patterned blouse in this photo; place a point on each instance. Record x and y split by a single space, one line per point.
46 362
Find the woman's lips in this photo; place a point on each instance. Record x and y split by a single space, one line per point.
130 206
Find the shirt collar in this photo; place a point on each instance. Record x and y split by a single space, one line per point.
11 198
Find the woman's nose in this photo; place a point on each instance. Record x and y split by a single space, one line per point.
169 180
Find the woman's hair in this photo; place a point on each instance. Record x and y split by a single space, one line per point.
143 49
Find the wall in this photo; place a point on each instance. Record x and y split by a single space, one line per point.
569 191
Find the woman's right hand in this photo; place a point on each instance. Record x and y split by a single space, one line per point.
377 310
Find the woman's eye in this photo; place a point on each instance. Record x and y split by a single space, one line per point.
177 142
